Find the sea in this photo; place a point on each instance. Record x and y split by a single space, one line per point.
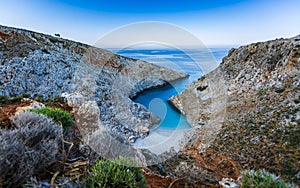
194 62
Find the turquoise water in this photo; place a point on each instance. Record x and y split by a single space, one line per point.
193 62
156 101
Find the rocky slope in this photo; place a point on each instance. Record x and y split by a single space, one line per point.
45 67
245 115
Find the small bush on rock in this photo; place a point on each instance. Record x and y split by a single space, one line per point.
116 173
5 101
29 149
262 179
57 115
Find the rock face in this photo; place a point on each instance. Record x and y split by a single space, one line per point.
45 67
245 114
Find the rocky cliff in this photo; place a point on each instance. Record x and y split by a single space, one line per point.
45 67
245 114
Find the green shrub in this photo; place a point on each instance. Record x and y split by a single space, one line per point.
280 90
5 101
116 173
262 179
296 54
57 115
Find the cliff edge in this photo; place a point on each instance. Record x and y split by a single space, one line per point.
245 114
45 67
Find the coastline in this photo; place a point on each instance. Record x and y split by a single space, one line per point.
162 140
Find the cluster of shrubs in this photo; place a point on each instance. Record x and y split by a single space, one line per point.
262 179
28 149
5 101
59 116
32 147
118 172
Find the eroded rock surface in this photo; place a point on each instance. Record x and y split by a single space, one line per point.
45 67
245 114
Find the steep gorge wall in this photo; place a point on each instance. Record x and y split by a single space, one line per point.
245 114
44 66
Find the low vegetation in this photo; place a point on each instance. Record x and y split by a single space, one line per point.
262 179
29 149
116 173
5 101
57 115
33 149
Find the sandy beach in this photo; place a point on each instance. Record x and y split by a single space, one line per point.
161 140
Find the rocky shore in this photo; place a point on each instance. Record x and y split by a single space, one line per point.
45 67
244 114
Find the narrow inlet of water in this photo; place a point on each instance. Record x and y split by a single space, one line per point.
156 101
173 125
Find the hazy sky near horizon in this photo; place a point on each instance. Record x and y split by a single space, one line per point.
215 23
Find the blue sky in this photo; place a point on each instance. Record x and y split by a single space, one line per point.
215 23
